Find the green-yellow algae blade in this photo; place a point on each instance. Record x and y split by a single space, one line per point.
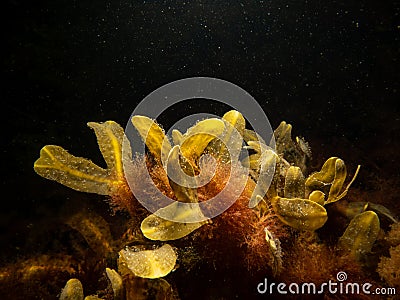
159 229
294 183
252 161
116 283
109 137
283 137
177 137
338 180
150 263
317 196
236 119
335 197
179 169
296 153
153 136
73 290
78 173
196 139
251 135
258 147
229 144
301 214
361 234
268 161
324 177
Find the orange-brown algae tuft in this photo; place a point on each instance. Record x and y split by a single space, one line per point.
238 234
388 267
312 261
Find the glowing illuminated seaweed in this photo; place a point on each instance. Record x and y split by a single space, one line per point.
192 167
149 263
83 175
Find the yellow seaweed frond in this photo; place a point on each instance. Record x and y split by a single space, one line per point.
232 137
155 228
81 174
267 161
177 137
335 197
179 169
153 136
149 263
78 173
333 173
197 137
109 137
361 234
294 183
252 162
324 177
338 181
317 196
301 214
116 283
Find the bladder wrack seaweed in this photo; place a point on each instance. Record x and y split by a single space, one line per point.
259 219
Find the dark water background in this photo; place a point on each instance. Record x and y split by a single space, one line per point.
330 68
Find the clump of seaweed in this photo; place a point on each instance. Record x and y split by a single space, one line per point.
270 229
388 267
306 250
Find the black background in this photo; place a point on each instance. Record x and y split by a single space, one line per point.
330 68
